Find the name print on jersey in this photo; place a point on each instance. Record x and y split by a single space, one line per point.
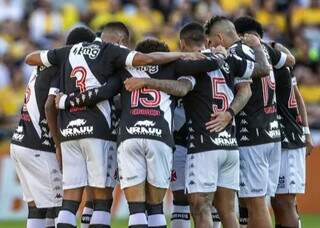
77 127
274 131
144 127
92 51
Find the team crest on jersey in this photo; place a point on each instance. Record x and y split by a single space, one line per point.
92 51
144 127
224 139
77 127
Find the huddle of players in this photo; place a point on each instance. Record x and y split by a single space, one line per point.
206 159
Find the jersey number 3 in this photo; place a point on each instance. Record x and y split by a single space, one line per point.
80 74
146 102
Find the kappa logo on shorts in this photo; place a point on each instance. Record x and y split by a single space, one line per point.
224 138
76 127
256 190
144 127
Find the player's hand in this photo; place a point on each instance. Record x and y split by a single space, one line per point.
132 84
251 40
59 157
192 56
57 100
219 121
309 144
220 50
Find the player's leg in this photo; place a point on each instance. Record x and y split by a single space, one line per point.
74 180
99 168
228 184
254 178
36 216
291 182
201 183
215 217
243 213
159 165
180 217
88 209
132 174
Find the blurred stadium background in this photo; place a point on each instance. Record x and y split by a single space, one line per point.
26 25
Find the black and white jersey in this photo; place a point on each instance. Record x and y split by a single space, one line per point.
257 122
33 131
85 66
214 92
180 129
148 113
292 136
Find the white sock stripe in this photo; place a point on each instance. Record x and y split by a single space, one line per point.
181 209
180 224
49 222
101 217
67 217
138 219
36 223
157 220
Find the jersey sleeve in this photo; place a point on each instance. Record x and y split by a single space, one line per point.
54 86
278 58
241 68
121 56
54 57
196 66
93 96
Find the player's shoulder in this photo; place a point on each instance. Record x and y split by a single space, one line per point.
242 50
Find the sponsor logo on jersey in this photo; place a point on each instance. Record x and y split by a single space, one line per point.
224 139
244 130
273 133
302 138
144 127
77 127
92 51
18 135
244 138
274 125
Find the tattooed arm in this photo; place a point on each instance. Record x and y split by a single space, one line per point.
220 120
177 88
261 66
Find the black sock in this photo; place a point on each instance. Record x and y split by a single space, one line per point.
137 218
243 216
156 218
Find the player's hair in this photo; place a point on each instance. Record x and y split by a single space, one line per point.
248 24
80 34
152 45
193 33
213 21
119 27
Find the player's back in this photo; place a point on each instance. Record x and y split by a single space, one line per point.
32 131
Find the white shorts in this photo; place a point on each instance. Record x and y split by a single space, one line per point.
211 169
292 172
178 175
259 169
39 175
89 162
144 159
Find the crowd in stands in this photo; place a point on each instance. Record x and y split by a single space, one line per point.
26 25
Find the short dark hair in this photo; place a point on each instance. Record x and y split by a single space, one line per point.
248 24
117 26
192 33
80 34
152 45
212 22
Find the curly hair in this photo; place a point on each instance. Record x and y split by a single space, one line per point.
152 45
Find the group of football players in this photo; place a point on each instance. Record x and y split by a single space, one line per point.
220 120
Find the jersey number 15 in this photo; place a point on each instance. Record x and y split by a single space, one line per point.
152 102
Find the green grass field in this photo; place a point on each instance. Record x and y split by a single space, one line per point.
308 221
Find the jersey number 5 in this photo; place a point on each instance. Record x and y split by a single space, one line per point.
146 102
219 95
80 74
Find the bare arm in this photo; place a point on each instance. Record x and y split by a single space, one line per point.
241 98
303 112
34 59
156 58
177 88
261 66
291 60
